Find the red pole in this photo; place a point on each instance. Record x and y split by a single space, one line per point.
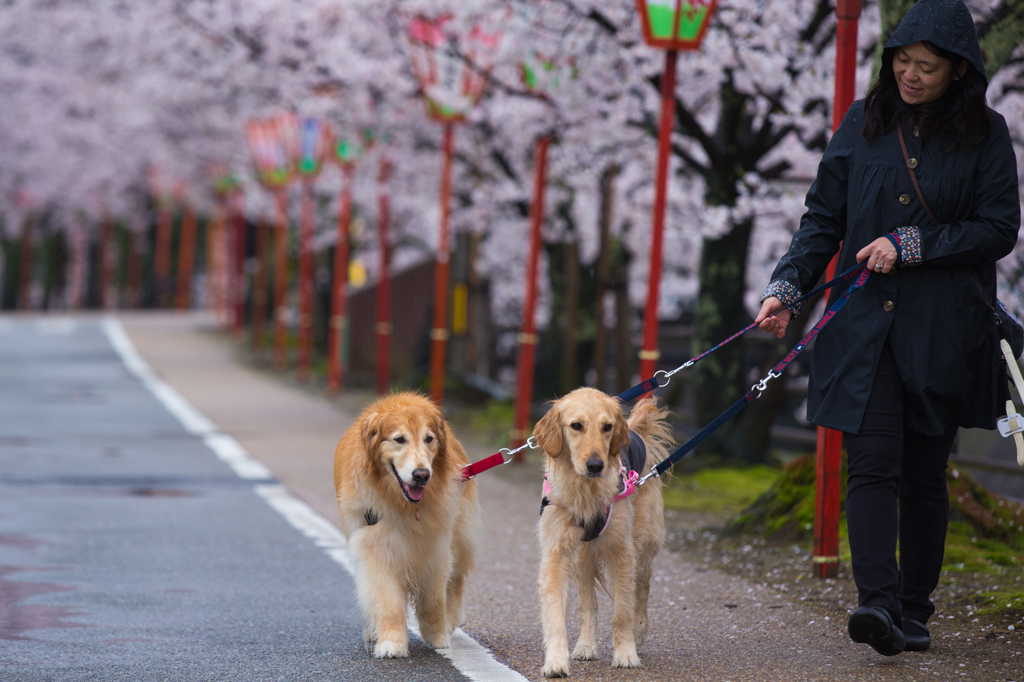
306 279
186 257
336 335
528 334
649 353
259 285
383 326
439 333
239 276
828 459
162 258
281 281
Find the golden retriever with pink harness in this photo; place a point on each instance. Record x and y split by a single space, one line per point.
593 519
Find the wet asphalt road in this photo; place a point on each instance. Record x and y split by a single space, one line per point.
128 551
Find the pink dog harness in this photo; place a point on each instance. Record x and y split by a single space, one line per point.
634 452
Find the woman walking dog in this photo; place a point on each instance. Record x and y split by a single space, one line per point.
919 182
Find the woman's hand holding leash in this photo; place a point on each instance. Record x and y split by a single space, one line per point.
880 254
777 324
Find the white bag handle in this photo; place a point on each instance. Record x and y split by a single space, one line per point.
1013 423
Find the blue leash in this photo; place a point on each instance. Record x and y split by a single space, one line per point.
757 389
649 385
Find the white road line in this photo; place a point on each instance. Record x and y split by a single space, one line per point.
466 654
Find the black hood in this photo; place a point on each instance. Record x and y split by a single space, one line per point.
944 23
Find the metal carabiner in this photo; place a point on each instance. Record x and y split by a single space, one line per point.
530 443
762 385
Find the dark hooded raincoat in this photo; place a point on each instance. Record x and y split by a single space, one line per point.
934 314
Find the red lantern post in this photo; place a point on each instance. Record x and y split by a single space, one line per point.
164 227
538 75
280 302
451 87
828 459
308 140
671 25
383 326
345 155
274 167
238 229
186 251
527 333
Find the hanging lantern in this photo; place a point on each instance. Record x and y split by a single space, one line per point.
273 163
451 69
675 24
314 145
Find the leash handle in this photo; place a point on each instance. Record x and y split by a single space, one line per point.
757 389
649 385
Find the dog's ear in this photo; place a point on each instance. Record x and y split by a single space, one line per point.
371 430
548 432
620 433
440 428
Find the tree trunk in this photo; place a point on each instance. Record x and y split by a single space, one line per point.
721 377
603 276
572 304
26 258
624 351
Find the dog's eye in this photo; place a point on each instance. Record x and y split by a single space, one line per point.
576 426
606 428
399 439
429 439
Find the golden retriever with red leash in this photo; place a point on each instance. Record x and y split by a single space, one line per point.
590 522
412 525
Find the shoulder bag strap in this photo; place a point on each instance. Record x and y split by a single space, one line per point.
920 195
913 176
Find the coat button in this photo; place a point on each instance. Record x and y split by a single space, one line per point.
904 199
917 131
912 163
888 306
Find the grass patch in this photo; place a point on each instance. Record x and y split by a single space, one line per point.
718 490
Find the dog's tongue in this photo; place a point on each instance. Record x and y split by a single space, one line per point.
415 492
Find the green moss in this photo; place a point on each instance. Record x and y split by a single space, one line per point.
985 540
786 510
718 490
1001 603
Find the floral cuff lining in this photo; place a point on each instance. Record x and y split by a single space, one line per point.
785 292
909 245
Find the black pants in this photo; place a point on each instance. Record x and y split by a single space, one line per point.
896 489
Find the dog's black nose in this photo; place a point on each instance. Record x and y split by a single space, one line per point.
420 476
595 465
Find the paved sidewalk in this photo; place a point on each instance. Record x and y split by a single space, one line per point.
705 625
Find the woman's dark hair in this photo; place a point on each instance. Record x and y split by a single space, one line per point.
961 111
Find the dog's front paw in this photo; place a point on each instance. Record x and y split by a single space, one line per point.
626 658
555 666
391 649
585 651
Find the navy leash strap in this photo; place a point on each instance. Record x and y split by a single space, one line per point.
757 389
649 385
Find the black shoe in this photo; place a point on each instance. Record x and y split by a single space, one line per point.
917 635
873 625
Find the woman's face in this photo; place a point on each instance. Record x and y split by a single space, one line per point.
921 75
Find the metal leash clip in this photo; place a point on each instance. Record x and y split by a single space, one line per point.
530 443
762 385
668 374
